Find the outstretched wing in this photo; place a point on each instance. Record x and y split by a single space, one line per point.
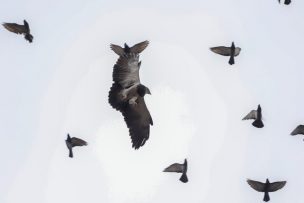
258 186
117 49
126 70
298 130
176 167
225 51
115 97
15 28
26 26
251 115
276 186
78 142
138 120
138 48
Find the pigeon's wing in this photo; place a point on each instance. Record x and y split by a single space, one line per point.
26 26
237 51
176 167
78 142
251 115
15 28
258 186
225 51
299 130
276 186
138 48
138 120
126 70
117 49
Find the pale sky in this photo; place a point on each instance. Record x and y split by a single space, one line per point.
59 84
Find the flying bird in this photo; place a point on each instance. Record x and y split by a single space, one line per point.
299 130
227 51
179 168
257 116
73 142
266 187
127 93
20 29
286 2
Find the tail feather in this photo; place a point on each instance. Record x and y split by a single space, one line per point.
231 60
258 123
184 178
266 197
71 153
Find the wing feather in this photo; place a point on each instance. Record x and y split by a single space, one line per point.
15 28
176 167
138 48
78 142
276 186
225 51
256 185
251 115
299 130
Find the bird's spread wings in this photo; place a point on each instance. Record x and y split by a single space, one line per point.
225 51
138 48
78 142
16 28
299 130
176 167
258 186
138 120
251 115
276 186
126 70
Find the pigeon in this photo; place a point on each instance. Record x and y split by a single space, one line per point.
227 51
73 142
20 29
127 93
266 187
286 2
257 116
299 130
179 168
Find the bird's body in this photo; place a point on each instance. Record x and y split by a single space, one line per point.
266 187
257 116
227 51
20 29
179 168
73 142
127 93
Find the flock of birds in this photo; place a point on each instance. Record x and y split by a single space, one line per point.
127 96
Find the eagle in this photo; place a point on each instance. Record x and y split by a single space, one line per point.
20 29
179 168
127 93
257 116
73 142
266 187
227 51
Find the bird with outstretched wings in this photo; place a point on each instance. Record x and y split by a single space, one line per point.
74 142
179 168
20 29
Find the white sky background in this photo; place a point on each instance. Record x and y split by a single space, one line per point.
60 83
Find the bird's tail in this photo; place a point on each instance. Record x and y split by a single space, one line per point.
231 60
29 37
184 178
258 123
71 153
266 197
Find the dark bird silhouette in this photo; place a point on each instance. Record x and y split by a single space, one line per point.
257 116
299 130
73 142
286 2
127 93
179 168
20 29
266 187
227 51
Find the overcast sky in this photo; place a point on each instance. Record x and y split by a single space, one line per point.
59 84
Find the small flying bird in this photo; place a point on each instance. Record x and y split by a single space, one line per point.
20 29
257 116
286 2
179 168
136 49
266 187
299 130
127 93
227 51
73 142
